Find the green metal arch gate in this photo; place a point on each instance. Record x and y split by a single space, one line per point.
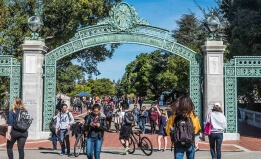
122 26
239 66
11 67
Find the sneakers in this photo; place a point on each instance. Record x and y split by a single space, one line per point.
125 152
69 154
62 153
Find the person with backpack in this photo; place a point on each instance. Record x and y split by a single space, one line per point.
127 120
63 124
219 124
95 125
13 134
143 115
182 126
52 127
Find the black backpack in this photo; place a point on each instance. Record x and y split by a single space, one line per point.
129 118
182 133
52 125
23 121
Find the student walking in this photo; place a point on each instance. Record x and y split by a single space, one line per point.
117 120
184 117
14 135
219 124
135 112
153 118
162 129
143 115
55 136
96 125
126 128
64 122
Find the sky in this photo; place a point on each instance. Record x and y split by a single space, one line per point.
159 13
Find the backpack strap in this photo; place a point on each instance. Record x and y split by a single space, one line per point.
69 116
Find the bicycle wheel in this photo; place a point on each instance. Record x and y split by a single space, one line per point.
78 146
131 146
146 146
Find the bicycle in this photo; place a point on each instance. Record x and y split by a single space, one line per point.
143 142
80 142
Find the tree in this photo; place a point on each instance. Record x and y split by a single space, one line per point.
151 74
61 20
190 32
244 38
243 31
101 87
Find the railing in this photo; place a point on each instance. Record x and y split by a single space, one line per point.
250 117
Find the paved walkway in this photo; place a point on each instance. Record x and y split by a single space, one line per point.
250 140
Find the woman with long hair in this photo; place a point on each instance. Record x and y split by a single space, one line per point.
183 110
219 124
162 129
13 135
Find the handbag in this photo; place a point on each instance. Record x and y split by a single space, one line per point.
208 127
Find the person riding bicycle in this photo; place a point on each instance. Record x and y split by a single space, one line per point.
95 124
125 130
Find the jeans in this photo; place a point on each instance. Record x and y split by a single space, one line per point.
64 134
54 141
179 152
215 141
142 125
136 118
80 110
93 146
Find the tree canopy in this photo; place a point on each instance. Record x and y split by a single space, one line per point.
61 20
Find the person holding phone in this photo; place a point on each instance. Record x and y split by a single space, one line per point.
96 125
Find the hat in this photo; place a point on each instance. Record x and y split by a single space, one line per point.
217 104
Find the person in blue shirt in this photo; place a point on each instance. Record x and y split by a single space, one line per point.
13 135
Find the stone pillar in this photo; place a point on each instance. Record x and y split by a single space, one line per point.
214 80
32 84
213 75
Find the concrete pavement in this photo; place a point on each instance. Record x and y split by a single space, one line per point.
116 154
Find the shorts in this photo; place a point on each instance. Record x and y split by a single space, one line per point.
125 132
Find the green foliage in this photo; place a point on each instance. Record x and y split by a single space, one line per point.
61 20
243 32
190 32
151 74
101 87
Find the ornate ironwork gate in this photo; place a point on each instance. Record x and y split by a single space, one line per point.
122 26
10 66
239 66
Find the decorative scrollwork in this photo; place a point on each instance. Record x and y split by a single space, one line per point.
10 66
239 66
122 17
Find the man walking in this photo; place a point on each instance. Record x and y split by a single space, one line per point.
64 122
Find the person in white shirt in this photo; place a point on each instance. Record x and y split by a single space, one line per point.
219 124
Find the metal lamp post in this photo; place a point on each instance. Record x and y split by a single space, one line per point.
213 25
35 24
